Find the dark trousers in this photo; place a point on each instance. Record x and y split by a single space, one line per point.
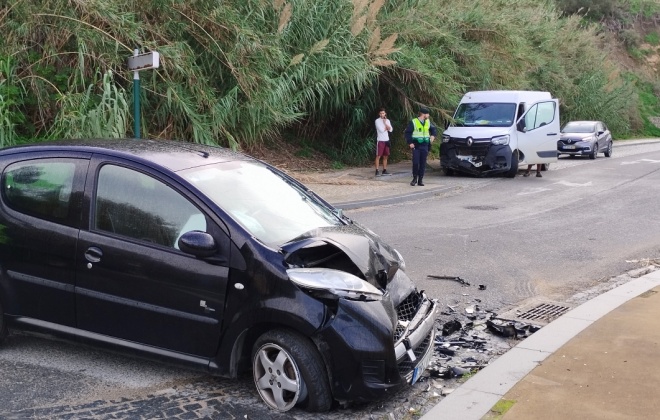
420 153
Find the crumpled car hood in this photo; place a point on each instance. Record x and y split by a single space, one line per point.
328 247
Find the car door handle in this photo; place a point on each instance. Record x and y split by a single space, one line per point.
551 134
93 254
207 309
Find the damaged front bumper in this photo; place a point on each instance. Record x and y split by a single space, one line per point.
480 158
374 348
415 345
372 343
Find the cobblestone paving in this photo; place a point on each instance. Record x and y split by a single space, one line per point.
204 400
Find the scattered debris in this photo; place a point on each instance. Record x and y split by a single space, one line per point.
451 327
459 371
468 338
454 278
482 287
505 330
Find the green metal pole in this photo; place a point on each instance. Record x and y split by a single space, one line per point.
136 100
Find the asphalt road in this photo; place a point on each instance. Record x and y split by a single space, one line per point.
521 238
531 237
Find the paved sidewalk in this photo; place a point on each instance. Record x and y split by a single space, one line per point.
359 187
598 361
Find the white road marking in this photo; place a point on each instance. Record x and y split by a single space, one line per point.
574 184
640 161
529 191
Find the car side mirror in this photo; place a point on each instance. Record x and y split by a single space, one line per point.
520 126
198 243
600 133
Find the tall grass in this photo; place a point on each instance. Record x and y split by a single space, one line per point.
240 73
93 115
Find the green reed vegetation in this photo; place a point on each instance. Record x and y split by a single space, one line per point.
243 73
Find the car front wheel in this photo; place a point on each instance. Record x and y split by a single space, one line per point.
594 153
608 152
288 371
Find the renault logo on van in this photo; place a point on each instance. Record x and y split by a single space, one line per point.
469 141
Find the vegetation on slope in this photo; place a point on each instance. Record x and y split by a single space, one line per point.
307 71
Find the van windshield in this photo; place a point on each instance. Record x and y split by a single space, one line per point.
485 115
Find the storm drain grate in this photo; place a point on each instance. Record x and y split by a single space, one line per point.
544 312
537 313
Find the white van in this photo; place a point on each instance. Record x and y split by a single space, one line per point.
496 131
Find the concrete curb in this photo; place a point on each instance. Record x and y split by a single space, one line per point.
479 394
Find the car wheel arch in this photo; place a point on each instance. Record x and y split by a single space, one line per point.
234 353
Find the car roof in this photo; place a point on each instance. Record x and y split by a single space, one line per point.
505 96
582 122
173 155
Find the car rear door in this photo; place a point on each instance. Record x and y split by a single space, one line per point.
133 283
40 216
602 134
540 132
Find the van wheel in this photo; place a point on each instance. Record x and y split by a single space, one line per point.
288 371
514 166
608 152
594 153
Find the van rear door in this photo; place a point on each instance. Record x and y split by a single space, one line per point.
538 133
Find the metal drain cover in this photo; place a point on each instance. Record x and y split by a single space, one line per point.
537 312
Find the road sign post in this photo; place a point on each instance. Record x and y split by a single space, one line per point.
137 63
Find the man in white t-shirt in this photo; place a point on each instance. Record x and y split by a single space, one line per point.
383 130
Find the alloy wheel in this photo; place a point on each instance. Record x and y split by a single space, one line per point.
277 377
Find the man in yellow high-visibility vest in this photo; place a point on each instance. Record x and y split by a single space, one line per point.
419 134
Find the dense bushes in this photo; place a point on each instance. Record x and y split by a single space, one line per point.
239 73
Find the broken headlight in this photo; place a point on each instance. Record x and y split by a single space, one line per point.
500 140
337 283
402 262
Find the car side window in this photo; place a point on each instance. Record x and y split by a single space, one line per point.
138 206
539 115
40 188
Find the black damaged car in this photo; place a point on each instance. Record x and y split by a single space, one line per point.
209 258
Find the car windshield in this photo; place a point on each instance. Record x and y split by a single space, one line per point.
271 208
578 128
485 115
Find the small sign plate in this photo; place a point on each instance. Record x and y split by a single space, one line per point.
144 61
